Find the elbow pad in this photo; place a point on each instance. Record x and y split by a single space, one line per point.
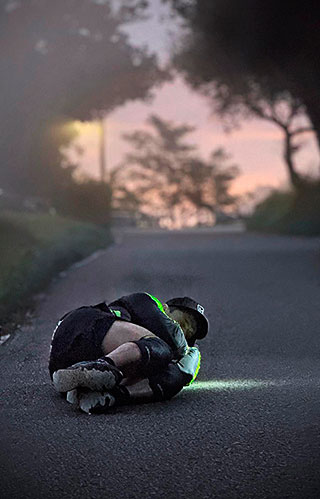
175 376
168 382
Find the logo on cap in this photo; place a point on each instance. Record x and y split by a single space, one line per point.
200 309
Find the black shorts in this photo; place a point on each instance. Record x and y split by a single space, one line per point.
79 337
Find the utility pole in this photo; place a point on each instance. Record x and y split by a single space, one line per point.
102 149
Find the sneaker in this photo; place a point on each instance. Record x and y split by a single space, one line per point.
95 402
72 396
96 375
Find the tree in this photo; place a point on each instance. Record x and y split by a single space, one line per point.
282 110
164 174
273 45
60 61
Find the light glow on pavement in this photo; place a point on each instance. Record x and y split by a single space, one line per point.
230 384
219 385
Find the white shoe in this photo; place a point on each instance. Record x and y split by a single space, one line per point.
94 374
95 402
72 396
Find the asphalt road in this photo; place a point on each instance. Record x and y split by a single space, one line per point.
249 428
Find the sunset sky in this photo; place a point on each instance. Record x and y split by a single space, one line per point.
256 147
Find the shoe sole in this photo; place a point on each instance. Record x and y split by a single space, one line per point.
66 380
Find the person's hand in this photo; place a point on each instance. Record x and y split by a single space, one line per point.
166 308
190 363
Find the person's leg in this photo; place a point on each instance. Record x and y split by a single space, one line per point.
119 346
78 337
131 351
162 386
135 351
92 372
95 402
122 332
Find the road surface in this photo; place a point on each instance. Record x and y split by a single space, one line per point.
249 428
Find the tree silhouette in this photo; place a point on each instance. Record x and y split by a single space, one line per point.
272 45
62 60
282 110
163 172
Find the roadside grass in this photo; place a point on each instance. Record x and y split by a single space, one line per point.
34 248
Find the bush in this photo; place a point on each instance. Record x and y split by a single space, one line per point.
293 212
270 214
89 200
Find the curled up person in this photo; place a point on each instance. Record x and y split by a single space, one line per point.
135 349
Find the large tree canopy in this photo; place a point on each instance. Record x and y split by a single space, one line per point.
274 44
59 61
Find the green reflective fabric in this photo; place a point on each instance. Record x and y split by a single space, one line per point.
160 306
117 313
197 370
158 302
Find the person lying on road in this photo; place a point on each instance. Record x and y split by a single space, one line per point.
135 349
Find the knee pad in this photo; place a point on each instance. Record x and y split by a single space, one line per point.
167 383
156 354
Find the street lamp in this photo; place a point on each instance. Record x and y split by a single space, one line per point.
102 150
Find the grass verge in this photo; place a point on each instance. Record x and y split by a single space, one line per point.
34 248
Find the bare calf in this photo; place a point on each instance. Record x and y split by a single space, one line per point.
117 344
